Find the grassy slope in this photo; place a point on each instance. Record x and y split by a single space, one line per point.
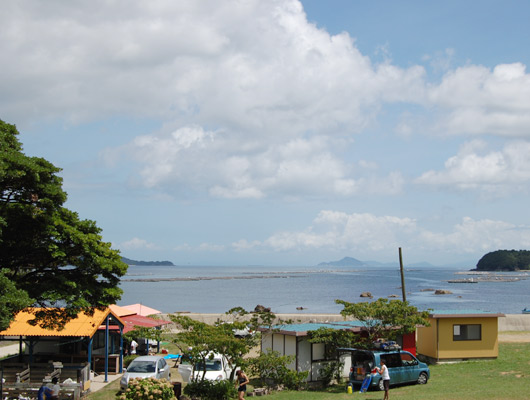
504 378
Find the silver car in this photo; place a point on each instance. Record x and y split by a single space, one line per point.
146 367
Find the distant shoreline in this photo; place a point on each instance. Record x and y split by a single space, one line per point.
209 278
508 323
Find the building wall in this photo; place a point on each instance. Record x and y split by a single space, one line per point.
308 357
438 343
427 339
409 342
266 341
290 349
304 355
486 347
278 343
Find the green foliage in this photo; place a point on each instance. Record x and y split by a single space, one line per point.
294 380
147 389
505 260
46 251
333 339
198 339
385 318
128 359
271 368
214 390
331 371
455 381
12 300
151 333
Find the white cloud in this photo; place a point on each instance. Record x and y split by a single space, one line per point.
254 98
342 231
473 236
137 243
478 100
201 248
254 67
368 234
475 167
218 164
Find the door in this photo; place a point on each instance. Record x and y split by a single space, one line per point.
410 367
185 368
395 368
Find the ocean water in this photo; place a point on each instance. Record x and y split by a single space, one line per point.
283 289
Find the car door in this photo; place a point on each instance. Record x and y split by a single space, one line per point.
185 369
410 367
163 369
394 365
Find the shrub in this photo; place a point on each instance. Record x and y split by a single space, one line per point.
211 390
272 369
331 371
148 389
294 380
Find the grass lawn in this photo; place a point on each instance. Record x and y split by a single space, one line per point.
503 378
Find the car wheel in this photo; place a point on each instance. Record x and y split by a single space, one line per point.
422 379
380 385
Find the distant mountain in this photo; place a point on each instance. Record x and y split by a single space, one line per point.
128 261
353 262
345 262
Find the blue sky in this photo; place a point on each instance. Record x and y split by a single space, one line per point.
280 132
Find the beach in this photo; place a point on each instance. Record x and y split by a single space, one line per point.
512 327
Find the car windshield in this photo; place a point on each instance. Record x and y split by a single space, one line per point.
142 366
211 365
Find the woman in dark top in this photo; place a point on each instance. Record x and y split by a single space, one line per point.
242 381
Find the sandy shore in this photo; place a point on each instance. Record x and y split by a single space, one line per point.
512 327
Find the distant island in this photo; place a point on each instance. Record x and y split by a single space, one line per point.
345 262
505 260
128 261
355 263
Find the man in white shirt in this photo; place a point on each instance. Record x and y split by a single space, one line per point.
383 371
134 345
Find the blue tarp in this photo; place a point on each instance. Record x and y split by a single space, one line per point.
172 356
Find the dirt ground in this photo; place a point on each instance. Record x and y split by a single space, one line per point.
514 337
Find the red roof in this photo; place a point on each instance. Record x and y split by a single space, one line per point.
131 321
140 309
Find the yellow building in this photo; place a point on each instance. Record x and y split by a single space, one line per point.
459 335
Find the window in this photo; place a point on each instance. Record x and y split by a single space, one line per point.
408 359
319 351
467 332
392 360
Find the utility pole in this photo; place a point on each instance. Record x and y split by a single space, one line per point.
402 276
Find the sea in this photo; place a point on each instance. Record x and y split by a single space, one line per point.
302 290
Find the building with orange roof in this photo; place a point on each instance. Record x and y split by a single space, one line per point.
96 339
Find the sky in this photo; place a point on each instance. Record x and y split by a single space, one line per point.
263 132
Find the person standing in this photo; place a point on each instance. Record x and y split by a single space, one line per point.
134 345
383 371
242 381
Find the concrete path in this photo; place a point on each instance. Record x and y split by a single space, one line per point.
98 382
8 350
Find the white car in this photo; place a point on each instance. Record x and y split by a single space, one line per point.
146 367
217 368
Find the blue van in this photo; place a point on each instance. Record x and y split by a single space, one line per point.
403 367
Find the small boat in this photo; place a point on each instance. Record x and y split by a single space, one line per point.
526 311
